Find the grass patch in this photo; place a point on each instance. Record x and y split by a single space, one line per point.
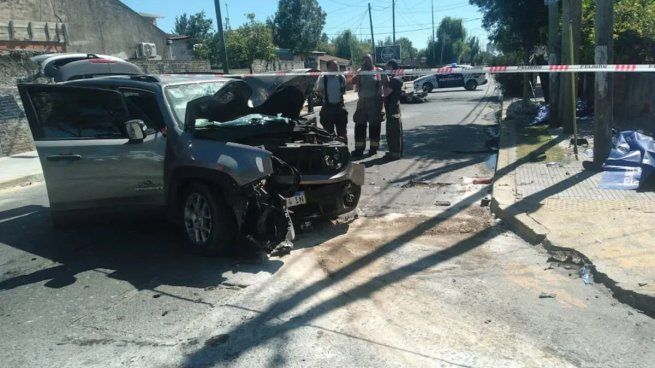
530 139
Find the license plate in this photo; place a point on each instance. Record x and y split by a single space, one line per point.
297 199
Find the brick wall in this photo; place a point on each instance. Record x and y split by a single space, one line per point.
172 66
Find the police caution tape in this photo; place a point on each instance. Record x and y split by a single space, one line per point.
609 68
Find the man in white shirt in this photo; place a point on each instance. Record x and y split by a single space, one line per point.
333 113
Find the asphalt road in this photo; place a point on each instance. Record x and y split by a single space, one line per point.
422 276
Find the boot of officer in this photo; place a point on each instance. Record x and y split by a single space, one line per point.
333 114
393 88
369 108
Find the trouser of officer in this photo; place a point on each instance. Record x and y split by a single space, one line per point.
335 116
369 112
394 129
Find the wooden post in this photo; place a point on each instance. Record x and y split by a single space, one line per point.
603 97
553 78
564 100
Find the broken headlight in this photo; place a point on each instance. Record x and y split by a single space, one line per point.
334 160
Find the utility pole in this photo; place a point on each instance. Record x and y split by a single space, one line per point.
432 19
221 38
370 19
553 78
227 18
603 96
434 38
443 44
393 21
572 36
564 101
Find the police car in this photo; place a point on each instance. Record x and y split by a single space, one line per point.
455 78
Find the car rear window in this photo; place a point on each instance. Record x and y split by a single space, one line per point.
77 113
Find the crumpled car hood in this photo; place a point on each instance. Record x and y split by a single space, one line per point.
267 95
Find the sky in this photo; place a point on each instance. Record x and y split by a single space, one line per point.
413 17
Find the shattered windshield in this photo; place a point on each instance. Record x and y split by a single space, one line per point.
178 96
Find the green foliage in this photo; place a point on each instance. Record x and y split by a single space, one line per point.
471 51
407 49
347 46
515 24
298 25
633 33
451 44
197 26
253 40
451 37
511 84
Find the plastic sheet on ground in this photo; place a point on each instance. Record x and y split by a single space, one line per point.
543 114
630 162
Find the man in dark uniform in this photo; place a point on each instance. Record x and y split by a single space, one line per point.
333 113
393 88
369 108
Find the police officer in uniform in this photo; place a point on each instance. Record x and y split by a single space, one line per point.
393 88
369 108
333 113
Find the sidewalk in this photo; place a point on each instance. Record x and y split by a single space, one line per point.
561 206
20 169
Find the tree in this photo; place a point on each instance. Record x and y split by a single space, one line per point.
515 24
471 50
407 49
197 26
253 40
634 31
298 25
450 44
347 46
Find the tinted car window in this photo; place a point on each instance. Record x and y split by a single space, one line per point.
75 113
143 105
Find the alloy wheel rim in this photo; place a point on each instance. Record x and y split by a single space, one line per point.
197 219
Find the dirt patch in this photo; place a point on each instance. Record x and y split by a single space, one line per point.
370 234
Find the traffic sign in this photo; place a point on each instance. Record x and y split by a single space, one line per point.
386 53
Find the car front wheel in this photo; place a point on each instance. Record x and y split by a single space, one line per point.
208 222
471 85
428 87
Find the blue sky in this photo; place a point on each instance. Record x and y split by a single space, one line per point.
413 17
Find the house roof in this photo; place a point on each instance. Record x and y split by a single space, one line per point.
150 15
337 59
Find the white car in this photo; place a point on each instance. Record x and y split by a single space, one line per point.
456 78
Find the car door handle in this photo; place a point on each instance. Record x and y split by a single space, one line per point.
64 158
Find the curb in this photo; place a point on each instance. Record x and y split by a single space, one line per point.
536 234
24 180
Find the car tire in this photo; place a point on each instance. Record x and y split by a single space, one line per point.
427 87
471 85
208 223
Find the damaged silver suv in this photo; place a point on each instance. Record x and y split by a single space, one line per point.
228 158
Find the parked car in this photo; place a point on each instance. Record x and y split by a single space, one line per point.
456 78
228 158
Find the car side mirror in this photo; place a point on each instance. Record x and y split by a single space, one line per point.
136 130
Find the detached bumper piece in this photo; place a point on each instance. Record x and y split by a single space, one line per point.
265 221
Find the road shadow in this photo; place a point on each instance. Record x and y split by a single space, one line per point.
143 250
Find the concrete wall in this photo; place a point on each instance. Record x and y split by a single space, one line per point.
634 102
15 135
94 26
